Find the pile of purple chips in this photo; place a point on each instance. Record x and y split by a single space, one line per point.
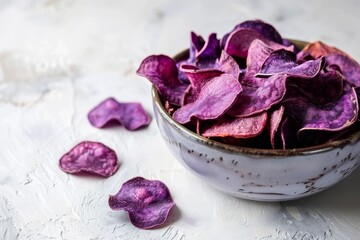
253 88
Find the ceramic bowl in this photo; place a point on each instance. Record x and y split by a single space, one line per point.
259 174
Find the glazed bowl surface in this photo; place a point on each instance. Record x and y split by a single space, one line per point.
259 174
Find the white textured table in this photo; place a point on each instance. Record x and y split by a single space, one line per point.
59 58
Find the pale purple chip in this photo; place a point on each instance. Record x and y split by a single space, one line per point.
245 127
148 202
349 67
255 99
90 157
214 99
228 65
162 72
131 115
198 77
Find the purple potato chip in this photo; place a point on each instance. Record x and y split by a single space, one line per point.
207 56
333 116
148 202
349 67
274 123
288 131
214 99
198 77
196 44
239 41
279 61
90 157
308 69
161 71
228 65
244 127
255 99
258 53
319 49
326 87
131 115
268 31
265 29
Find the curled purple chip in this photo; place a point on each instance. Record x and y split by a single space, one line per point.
326 87
214 99
91 157
148 202
308 69
265 29
239 41
348 67
279 61
131 115
228 65
333 116
162 72
196 44
319 49
207 56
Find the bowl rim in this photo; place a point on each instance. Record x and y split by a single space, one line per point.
340 143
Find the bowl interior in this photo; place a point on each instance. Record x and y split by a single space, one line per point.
348 139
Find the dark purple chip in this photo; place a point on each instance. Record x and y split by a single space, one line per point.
131 115
279 61
255 99
207 56
333 116
196 44
259 52
245 127
288 131
308 69
265 29
162 71
349 67
274 124
90 157
326 87
215 98
148 202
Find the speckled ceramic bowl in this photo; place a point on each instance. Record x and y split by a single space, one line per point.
259 174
